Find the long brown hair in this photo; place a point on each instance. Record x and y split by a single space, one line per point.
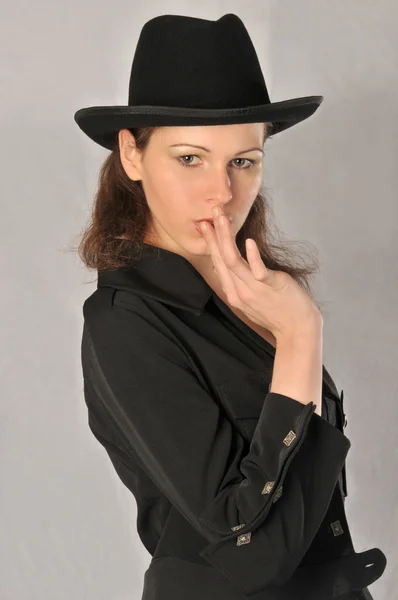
120 212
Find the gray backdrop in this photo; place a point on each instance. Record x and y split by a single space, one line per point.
67 521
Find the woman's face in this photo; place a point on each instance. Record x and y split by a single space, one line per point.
182 182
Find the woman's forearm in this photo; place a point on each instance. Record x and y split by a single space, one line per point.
297 368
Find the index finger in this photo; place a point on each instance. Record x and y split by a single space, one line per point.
209 233
224 274
231 255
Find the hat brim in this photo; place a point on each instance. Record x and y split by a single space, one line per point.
102 123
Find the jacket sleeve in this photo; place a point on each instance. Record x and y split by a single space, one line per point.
259 508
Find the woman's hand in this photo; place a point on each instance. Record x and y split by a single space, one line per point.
272 299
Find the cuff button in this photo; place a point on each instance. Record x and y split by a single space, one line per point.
243 539
278 494
238 527
336 528
289 438
268 487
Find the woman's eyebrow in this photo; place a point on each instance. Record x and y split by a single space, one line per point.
207 150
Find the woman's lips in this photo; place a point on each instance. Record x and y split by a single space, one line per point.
201 221
197 224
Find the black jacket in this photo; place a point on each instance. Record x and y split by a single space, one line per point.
225 473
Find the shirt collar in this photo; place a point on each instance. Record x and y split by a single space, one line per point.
161 275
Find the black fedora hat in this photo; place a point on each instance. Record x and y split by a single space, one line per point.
190 71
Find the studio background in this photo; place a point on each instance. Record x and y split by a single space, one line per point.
68 525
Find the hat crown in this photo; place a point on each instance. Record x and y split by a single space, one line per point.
196 63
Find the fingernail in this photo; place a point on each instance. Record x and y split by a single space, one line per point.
216 211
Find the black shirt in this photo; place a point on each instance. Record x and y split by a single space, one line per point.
240 491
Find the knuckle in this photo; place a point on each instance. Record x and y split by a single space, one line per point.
235 301
231 261
216 261
245 294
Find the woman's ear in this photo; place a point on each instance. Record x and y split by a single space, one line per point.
130 156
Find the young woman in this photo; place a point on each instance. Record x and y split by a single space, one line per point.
202 345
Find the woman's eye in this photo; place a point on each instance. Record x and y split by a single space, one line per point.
251 162
186 164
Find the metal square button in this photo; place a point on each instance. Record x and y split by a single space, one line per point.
243 539
336 528
277 494
238 527
289 438
268 487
